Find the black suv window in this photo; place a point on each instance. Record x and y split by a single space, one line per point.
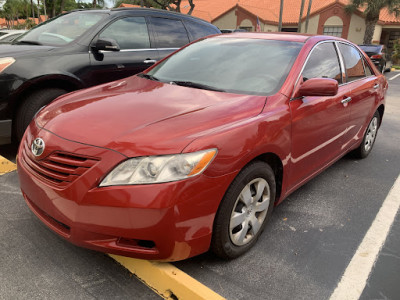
323 63
197 30
130 33
353 62
170 33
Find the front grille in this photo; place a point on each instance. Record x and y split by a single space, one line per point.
59 168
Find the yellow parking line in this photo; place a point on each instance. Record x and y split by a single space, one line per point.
6 166
166 280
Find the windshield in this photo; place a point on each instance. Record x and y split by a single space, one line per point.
236 65
61 30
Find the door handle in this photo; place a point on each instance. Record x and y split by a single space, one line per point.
376 86
346 100
149 61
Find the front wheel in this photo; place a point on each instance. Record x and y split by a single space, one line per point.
369 137
244 211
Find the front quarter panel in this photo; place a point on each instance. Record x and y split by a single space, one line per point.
241 142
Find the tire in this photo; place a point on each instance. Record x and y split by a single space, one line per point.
242 215
369 137
31 106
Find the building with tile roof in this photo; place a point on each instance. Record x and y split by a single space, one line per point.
326 17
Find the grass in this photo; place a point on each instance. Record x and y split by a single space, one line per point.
397 67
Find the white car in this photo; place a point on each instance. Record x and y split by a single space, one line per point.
7 36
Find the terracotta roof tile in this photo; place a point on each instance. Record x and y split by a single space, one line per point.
268 10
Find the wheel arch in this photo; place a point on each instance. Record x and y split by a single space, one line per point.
276 164
57 81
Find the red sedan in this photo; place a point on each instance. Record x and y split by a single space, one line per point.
195 152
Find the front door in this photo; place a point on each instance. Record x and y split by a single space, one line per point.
136 54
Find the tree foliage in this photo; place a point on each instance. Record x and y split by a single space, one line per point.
372 11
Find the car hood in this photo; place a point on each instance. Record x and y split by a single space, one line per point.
21 50
137 116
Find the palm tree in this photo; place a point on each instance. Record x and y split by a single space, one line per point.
372 11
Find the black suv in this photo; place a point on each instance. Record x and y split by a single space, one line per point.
81 49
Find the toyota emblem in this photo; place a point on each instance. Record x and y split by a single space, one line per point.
37 147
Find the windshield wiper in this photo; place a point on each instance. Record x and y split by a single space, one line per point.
197 85
27 43
148 76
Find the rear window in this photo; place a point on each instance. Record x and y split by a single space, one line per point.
198 30
371 48
236 65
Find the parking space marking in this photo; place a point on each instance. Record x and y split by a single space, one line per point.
357 272
395 76
166 280
6 166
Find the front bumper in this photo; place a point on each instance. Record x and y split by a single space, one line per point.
170 221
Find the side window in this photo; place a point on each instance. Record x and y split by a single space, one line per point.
130 33
352 62
368 70
323 63
198 31
170 33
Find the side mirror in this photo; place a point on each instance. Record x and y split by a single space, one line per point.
106 45
318 87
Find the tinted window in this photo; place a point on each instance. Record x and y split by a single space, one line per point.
130 33
237 65
352 62
198 30
368 70
169 33
323 62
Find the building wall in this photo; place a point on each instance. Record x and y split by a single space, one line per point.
377 34
227 21
334 21
312 25
247 23
333 12
356 29
269 28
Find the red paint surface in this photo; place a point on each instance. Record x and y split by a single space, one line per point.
140 117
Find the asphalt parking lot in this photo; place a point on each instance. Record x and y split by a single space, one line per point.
306 248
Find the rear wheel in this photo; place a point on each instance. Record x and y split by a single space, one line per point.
369 137
31 106
244 211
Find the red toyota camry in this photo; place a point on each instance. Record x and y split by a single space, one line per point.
195 152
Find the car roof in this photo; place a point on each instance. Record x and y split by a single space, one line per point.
143 9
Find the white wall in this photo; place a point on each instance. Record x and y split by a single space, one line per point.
356 29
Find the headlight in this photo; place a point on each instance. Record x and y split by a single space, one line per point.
158 169
5 62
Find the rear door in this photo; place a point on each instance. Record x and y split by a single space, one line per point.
364 87
136 54
320 125
169 34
